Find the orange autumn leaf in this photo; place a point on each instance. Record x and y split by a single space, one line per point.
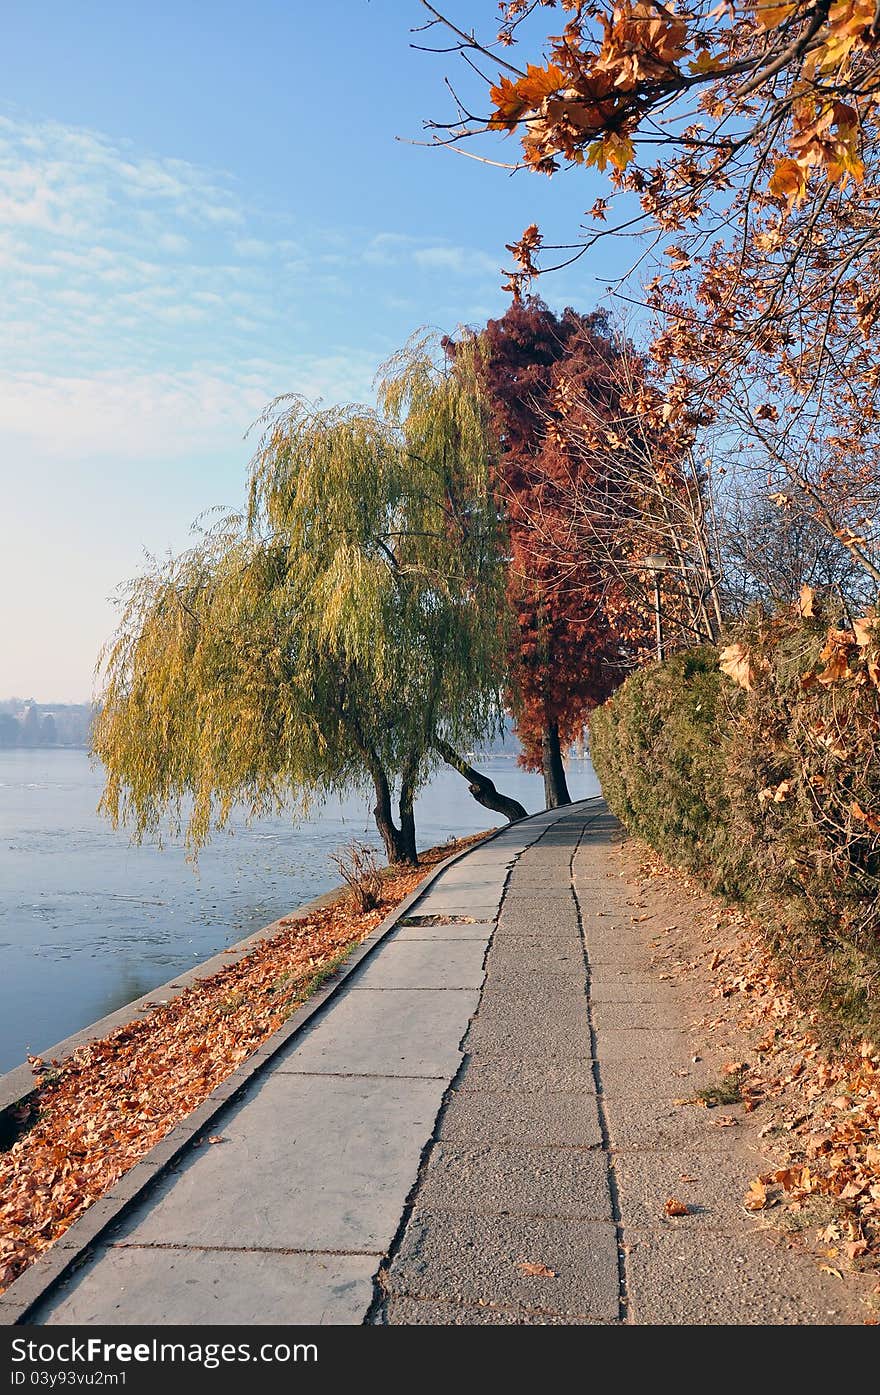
704 63
509 105
865 816
756 1196
789 181
770 14
835 657
535 1270
674 1207
540 83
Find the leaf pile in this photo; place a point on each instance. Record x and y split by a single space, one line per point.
103 1108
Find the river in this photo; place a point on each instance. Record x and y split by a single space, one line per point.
89 922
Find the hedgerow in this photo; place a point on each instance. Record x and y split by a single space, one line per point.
757 769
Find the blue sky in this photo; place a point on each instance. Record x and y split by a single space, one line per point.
202 207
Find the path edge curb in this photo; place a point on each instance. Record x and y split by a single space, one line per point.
46 1272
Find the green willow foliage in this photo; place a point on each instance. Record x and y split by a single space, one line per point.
323 639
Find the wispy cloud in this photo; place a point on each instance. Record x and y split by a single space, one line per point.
390 248
127 415
134 287
65 180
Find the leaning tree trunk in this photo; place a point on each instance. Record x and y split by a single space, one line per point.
555 785
481 787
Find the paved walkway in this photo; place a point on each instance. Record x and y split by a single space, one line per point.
479 1129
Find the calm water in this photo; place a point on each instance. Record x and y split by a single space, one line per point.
88 923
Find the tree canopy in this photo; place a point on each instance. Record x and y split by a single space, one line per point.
741 140
326 637
542 372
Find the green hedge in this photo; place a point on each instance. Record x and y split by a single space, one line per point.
763 795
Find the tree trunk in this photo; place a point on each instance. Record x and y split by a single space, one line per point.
481 787
555 786
408 851
389 832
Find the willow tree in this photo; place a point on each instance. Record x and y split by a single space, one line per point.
344 632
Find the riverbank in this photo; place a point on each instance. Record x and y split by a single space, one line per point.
93 1116
90 923
542 1097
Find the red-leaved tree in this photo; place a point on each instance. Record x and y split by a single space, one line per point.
571 620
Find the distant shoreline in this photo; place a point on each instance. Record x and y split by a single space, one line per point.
49 746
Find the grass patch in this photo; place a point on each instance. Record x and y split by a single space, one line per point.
726 1091
310 985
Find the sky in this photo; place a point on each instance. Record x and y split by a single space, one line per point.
203 207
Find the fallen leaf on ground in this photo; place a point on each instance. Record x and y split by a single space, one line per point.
756 1196
674 1207
535 1270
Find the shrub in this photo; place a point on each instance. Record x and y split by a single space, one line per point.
359 868
764 780
656 749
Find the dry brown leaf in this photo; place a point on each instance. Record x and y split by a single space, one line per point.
835 657
674 1207
734 661
862 628
535 1270
756 1196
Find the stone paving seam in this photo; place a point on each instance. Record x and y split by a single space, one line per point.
623 1294
38 1282
356 1075
380 1294
235 1249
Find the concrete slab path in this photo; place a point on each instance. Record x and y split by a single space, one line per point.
290 1217
479 1129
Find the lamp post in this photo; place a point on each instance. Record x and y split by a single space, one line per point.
656 564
